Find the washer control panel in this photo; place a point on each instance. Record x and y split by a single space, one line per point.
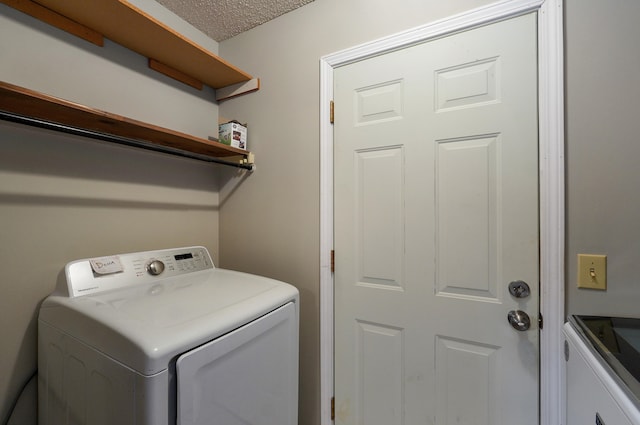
93 275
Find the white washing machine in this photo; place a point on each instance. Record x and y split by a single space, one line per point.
603 370
164 337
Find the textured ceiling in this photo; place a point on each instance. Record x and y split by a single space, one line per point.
222 19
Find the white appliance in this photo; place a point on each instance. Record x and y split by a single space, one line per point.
164 337
603 370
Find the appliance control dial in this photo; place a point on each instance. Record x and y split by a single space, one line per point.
155 267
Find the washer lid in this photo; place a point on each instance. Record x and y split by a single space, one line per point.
145 325
617 341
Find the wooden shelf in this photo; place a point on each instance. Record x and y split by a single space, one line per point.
23 102
131 27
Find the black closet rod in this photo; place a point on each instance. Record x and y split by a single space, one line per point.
35 122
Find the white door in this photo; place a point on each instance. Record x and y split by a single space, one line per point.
436 212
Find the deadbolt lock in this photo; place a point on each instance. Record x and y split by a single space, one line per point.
519 289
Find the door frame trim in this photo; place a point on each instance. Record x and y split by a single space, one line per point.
551 177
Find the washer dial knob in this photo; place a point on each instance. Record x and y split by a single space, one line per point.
155 267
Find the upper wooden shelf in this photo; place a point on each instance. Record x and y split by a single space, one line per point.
133 28
23 102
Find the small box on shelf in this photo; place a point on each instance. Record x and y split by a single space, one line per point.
233 134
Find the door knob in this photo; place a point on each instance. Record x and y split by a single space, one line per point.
519 289
519 320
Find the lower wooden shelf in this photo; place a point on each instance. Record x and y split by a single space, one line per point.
34 108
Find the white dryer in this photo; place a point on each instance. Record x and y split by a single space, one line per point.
164 337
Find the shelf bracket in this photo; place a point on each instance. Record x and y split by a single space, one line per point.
175 74
239 89
57 20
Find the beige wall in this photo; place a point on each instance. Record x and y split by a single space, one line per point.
64 198
603 151
270 225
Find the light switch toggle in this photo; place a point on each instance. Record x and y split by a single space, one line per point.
592 271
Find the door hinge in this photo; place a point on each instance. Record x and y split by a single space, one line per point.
331 111
333 261
540 321
333 408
